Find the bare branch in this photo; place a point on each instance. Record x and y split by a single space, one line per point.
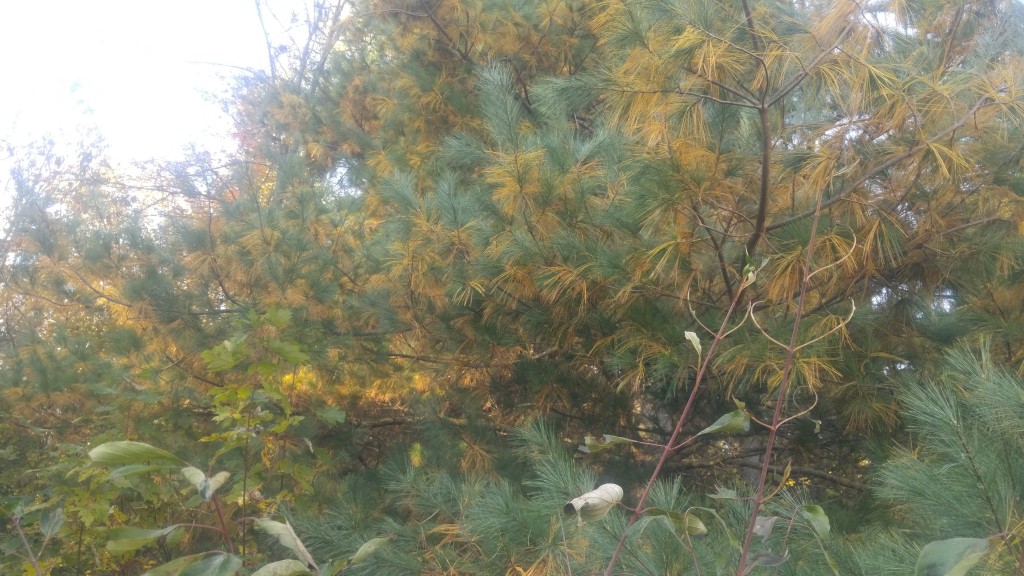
271 58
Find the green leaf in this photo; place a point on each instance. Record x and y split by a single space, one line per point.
735 421
128 452
334 568
283 568
831 562
205 486
174 538
235 344
591 444
287 537
367 549
817 518
288 351
12 505
222 564
177 566
721 521
128 538
953 557
749 270
51 522
680 522
763 526
225 355
132 470
278 317
331 415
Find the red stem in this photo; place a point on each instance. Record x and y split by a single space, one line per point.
780 399
670 446
223 525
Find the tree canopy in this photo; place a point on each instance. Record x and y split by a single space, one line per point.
758 263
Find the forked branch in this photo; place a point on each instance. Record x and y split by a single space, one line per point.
670 445
780 399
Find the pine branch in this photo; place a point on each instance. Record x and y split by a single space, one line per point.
766 135
755 37
968 453
795 81
873 171
722 266
846 483
452 45
762 202
385 422
333 36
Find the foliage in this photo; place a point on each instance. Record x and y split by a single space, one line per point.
30 550
733 240
137 458
515 525
964 423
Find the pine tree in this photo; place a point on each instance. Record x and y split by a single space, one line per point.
446 218
959 476
553 229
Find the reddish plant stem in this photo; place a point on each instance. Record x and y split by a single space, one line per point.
223 525
670 446
780 399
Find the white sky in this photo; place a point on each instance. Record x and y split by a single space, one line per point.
135 69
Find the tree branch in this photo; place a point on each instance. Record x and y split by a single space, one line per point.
266 41
873 171
795 81
452 45
785 380
705 366
766 163
723 268
852 484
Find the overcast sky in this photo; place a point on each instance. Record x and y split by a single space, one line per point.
135 69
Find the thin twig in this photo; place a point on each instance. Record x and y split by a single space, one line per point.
780 400
266 40
670 444
28 547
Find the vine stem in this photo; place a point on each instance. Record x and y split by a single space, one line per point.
780 399
670 446
245 472
223 525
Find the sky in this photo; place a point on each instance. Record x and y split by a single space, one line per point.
139 71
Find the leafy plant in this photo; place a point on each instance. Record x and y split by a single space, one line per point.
136 458
21 517
726 245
